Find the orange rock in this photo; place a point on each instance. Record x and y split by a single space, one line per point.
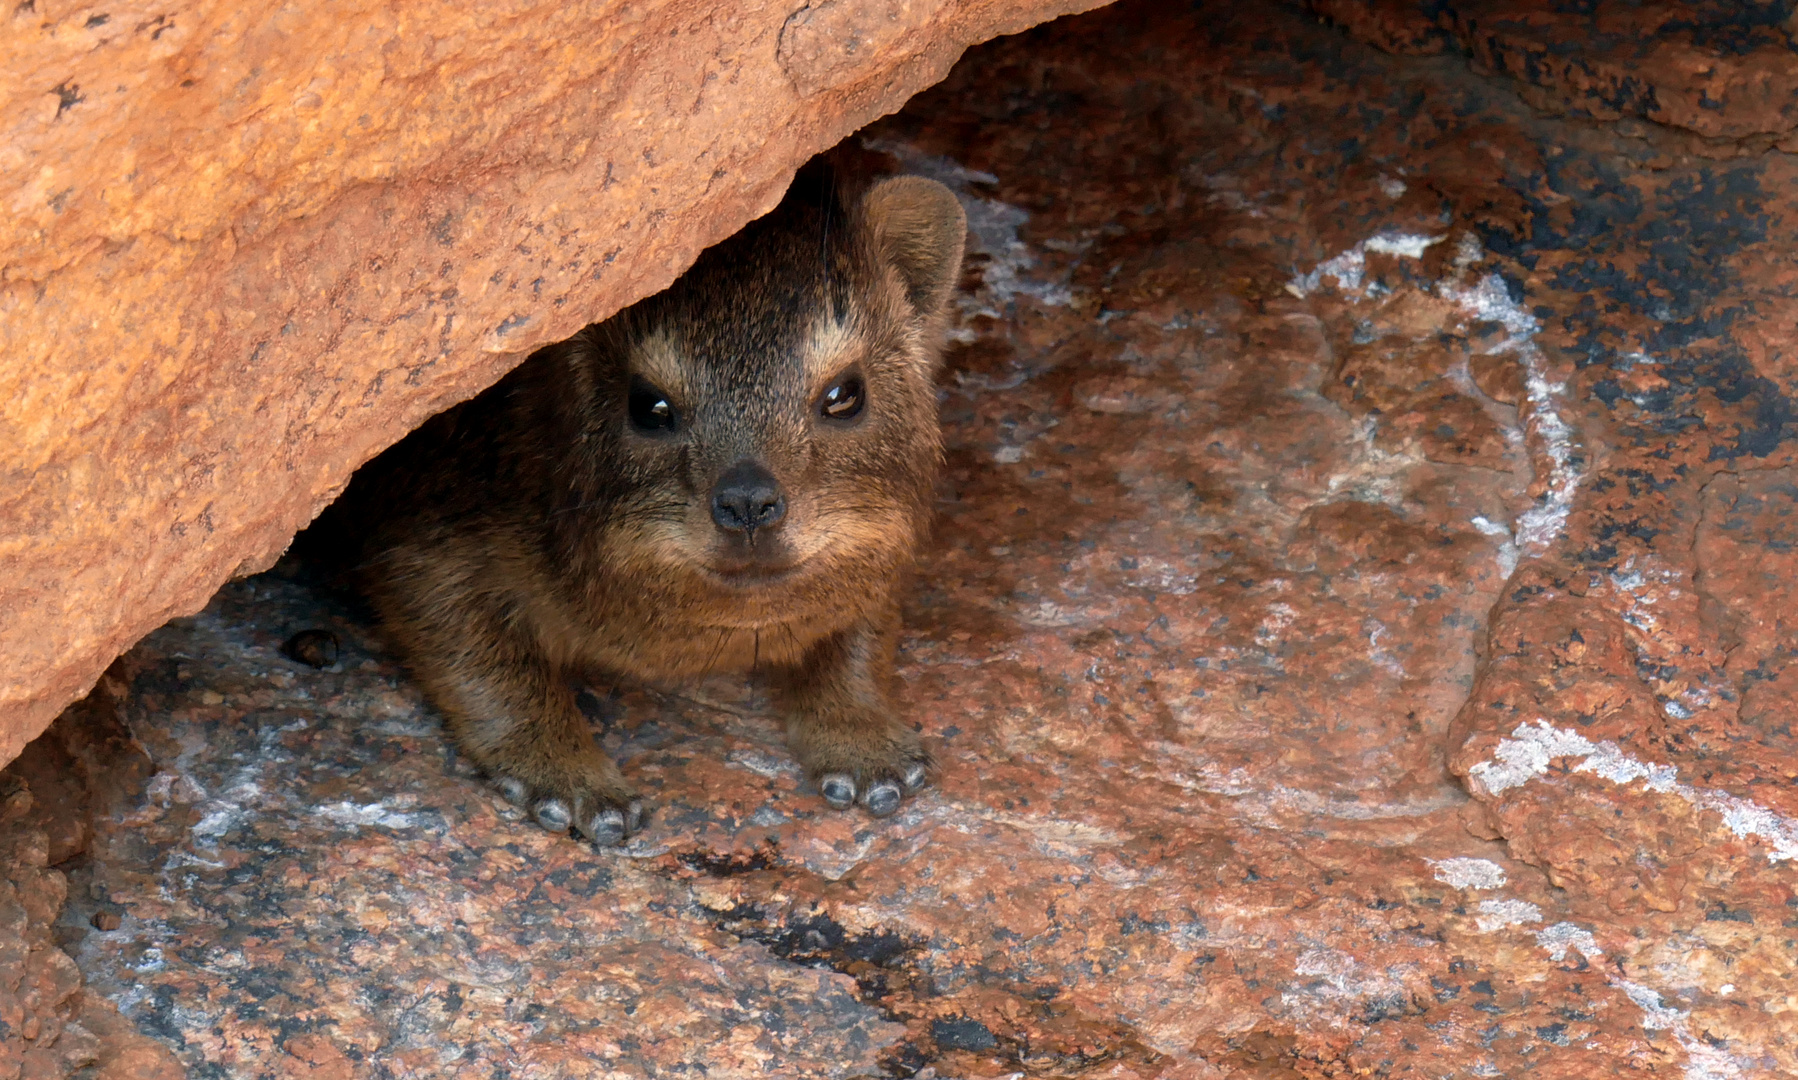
316 1058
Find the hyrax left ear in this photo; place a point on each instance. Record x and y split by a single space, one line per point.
918 227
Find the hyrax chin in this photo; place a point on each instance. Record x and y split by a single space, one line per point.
731 475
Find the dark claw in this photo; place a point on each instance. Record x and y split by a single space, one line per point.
883 798
512 788
634 817
553 815
915 776
838 790
606 829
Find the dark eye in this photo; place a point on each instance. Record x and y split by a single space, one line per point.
650 409
843 401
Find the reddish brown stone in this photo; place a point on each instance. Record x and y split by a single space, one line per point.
1399 26
247 245
58 797
1208 643
316 1057
49 1028
1721 69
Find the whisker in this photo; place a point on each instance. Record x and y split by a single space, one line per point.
711 664
875 508
792 635
674 509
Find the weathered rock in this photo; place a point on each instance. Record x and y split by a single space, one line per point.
1627 729
1721 69
248 245
50 1027
1328 425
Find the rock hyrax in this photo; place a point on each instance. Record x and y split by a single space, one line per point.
730 476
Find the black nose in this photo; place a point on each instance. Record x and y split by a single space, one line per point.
747 498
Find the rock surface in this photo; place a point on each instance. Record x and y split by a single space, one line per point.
247 245
1332 435
1720 69
49 1025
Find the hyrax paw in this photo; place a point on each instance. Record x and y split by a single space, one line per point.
606 817
878 788
611 827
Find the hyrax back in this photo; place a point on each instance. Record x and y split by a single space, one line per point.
731 475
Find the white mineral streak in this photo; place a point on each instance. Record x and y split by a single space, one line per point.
1655 1014
1408 245
1563 936
1645 589
1487 300
1498 914
1469 873
1530 748
242 796
1348 268
1507 543
357 815
1335 968
1339 976
1703 1061
1333 984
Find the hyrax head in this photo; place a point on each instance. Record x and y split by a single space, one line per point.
767 426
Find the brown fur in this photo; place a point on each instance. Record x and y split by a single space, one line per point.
536 531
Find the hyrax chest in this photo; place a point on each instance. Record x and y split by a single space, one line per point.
700 640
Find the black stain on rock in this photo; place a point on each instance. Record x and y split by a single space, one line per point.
962 1033
68 95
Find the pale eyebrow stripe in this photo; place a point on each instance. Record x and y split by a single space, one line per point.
829 346
658 359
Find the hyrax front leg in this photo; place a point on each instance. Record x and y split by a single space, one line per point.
842 724
513 714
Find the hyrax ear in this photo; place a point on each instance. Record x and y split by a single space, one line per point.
917 226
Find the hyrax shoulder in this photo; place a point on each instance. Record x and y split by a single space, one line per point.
730 475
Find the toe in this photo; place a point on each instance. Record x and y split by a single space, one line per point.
883 798
915 776
838 790
512 788
606 828
634 817
553 815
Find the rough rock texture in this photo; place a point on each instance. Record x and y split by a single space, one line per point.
1720 69
49 1025
1332 435
40 987
247 245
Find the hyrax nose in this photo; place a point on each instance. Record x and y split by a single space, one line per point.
746 498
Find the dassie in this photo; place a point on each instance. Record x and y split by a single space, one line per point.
730 476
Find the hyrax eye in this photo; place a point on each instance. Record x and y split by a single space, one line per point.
843 400
650 409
